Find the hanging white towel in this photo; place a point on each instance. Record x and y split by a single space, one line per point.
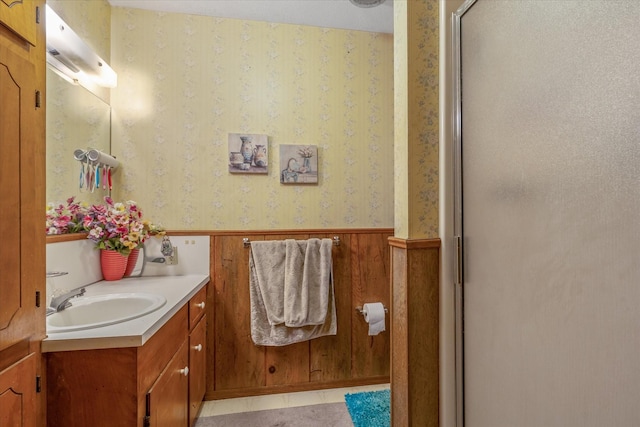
266 269
306 282
269 311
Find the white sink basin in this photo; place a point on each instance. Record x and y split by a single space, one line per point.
102 310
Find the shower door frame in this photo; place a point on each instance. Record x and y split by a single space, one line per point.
457 206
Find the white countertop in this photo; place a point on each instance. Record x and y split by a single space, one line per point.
135 332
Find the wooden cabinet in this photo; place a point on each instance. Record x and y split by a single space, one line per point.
17 111
197 305
167 399
22 266
20 16
18 393
197 353
197 368
136 386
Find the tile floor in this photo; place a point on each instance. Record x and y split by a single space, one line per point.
285 400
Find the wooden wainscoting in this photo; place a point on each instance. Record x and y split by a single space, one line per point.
237 367
415 338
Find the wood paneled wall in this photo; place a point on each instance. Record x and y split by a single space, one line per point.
415 354
237 367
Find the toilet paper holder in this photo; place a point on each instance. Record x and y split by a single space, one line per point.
359 310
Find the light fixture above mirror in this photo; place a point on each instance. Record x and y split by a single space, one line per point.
72 58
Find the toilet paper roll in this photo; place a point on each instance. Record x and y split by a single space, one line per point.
374 315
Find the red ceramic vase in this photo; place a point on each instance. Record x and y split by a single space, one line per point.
131 262
113 264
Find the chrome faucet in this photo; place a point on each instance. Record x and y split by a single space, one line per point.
61 302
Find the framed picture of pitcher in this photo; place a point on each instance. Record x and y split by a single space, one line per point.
248 153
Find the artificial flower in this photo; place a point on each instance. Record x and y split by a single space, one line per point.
118 226
63 219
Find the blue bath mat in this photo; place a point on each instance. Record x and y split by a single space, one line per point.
369 408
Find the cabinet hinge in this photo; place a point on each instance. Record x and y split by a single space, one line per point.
37 298
38 384
37 14
147 411
37 99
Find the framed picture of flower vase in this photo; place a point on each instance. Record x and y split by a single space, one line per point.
248 153
299 164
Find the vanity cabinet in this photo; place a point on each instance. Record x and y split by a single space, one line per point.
22 263
18 393
133 386
166 400
197 353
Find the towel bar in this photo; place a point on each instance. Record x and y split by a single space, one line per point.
246 242
359 310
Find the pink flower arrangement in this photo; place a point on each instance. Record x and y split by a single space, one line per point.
118 226
63 219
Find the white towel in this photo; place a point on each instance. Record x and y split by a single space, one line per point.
267 271
306 282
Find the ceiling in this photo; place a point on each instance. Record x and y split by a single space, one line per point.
320 13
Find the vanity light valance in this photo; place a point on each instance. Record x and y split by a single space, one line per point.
72 58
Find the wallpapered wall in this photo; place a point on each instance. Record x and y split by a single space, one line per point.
416 40
186 82
424 102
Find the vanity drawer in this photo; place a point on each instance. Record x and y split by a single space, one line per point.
197 305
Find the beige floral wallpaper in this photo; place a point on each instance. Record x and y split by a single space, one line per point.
186 82
416 28
423 79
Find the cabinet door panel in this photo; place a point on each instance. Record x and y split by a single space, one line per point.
20 16
197 367
168 396
17 116
18 394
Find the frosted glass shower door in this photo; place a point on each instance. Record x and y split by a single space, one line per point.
550 161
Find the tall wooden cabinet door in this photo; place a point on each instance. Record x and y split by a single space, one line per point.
18 393
17 119
167 400
20 16
197 367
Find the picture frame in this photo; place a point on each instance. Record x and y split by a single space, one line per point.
298 164
248 153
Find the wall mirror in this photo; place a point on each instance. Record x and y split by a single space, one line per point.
76 119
